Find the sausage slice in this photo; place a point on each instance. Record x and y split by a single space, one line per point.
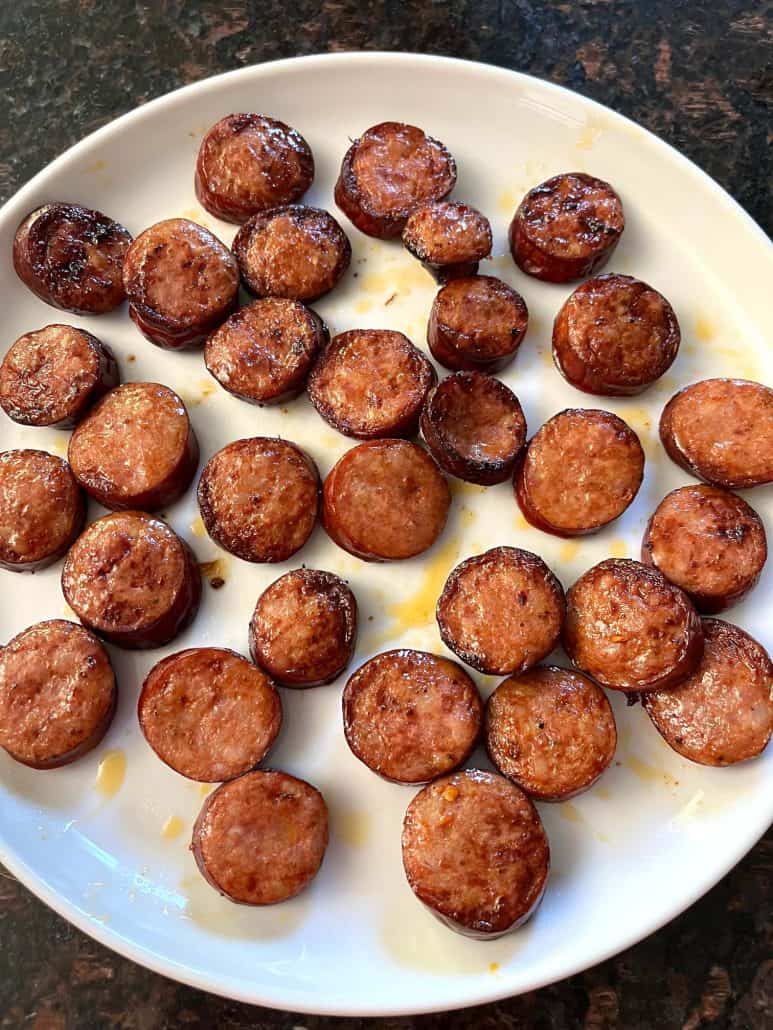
448 238
475 853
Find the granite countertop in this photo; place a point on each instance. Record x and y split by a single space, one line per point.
696 73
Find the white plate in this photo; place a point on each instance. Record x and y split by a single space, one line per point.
628 856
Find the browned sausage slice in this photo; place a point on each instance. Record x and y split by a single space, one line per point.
249 162
501 611
293 251
709 542
136 448
721 430
475 853
132 580
581 471
72 258
448 238
411 716
723 712
304 628
615 336
385 500
371 383
630 629
261 838
259 498
476 323
209 714
387 173
41 509
474 427
181 281
566 228
551 731
263 352
57 694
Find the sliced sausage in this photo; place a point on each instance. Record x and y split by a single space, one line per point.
261 838
136 448
259 498
304 628
501 611
292 251
132 580
551 731
209 714
57 694
181 281
448 238
630 629
41 509
474 427
580 471
475 853
72 258
249 162
566 228
264 351
387 173
476 323
371 383
385 500
721 430
709 542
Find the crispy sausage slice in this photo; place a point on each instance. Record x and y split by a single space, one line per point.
501 611
723 712
475 853
260 839
304 628
721 430
551 731
209 714
387 173
57 694
72 258
448 238
385 500
566 228
249 162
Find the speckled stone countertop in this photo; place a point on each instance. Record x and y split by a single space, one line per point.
697 74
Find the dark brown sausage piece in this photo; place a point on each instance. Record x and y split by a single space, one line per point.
293 251
630 629
263 352
41 509
474 427
723 712
57 694
304 628
475 853
248 163
371 383
709 542
411 716
181 281
132 580
387 173
448 238
721 430
476 323
72 257
581 470
385 500
209 714
501 611
551 731
566 228
259 498
260 839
